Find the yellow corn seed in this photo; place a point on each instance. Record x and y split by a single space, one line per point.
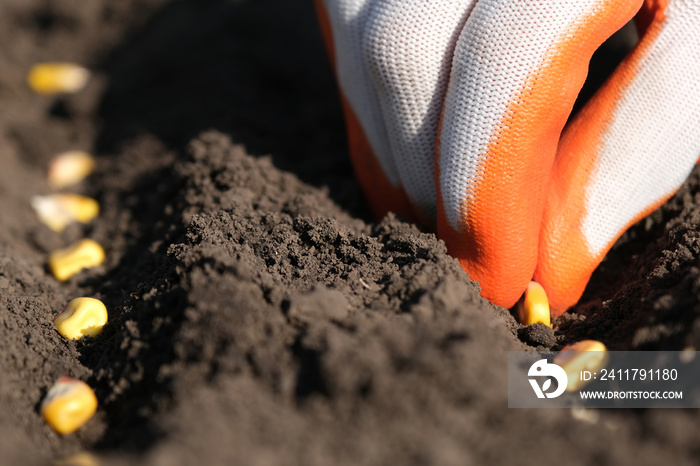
69 404
79 459
57 78
586 355
69 168
81 317
589 416
84 254
533 307
59 210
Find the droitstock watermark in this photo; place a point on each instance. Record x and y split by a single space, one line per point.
611 379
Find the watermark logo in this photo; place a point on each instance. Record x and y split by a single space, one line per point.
542 368
629 379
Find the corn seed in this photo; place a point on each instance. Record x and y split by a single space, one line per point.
79 459
68 405
67 262
59 210
586 355
57 78
81 317
533 307
69 168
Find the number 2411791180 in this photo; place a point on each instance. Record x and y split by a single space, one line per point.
638 374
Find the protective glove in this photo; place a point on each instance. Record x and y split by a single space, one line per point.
456 111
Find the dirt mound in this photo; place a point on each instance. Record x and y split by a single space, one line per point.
257 314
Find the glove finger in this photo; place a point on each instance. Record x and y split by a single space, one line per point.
625 153
517 69
343 23
408 48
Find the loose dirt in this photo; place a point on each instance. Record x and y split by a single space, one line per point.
258 315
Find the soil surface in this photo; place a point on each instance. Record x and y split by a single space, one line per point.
258 315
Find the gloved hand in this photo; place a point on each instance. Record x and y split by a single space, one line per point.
455 111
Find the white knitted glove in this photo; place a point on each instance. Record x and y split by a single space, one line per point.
455 111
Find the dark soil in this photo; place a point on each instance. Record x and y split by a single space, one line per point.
257 314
